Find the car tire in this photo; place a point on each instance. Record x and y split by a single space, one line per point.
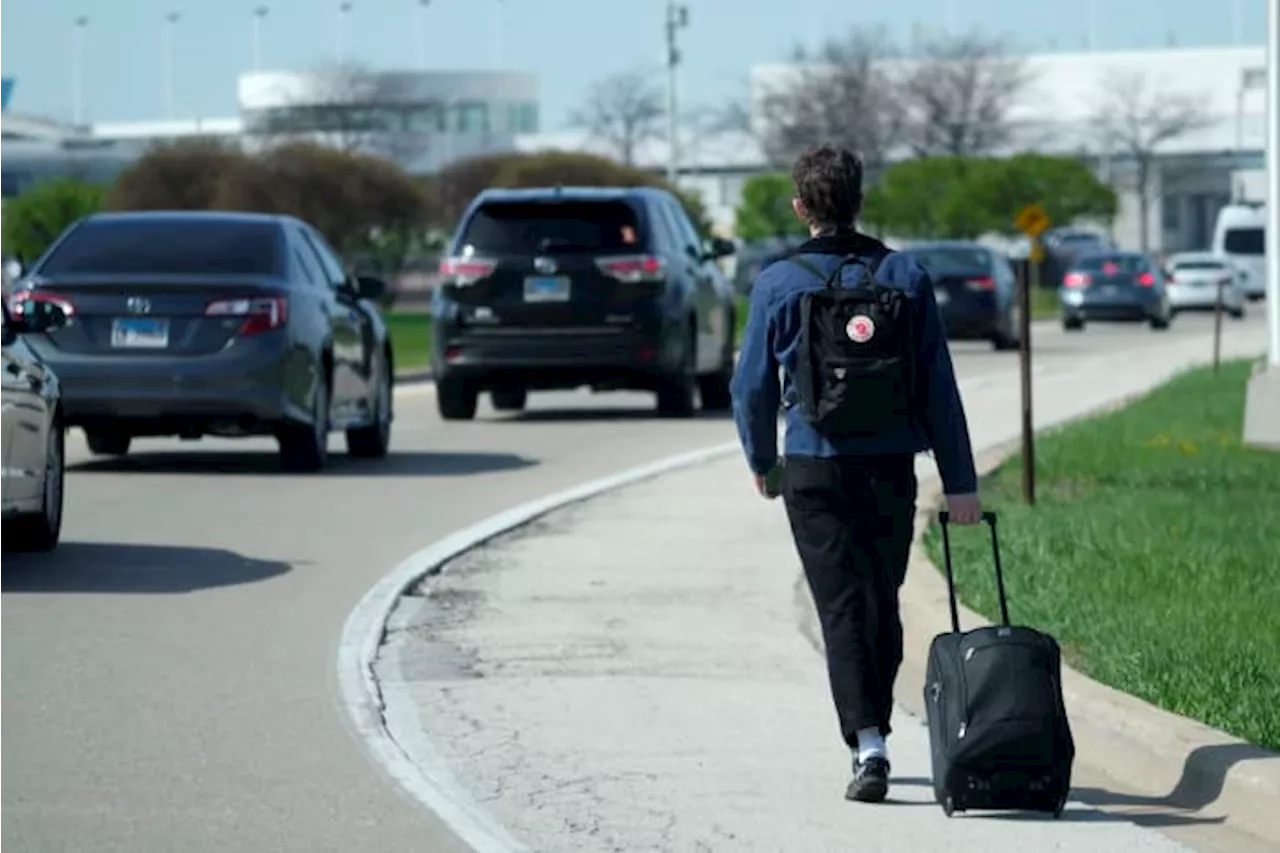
41 531
372 441
1237 313
456 399
1160 324
676 391
107 442
714 389
1073 325
510 399
304 448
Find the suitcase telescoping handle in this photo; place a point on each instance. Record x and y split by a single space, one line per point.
944 519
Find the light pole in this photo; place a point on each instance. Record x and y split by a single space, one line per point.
78 25
170 24
258 14
1273 180
677 19
498 26
422 33
343 10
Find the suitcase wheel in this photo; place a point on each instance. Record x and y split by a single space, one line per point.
1059 808
948 807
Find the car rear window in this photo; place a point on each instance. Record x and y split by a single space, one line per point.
942 261
1243 241
1112 264
167 247
532 227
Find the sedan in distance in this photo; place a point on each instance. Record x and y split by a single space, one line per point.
1195 279
1114 287
974 288
228 324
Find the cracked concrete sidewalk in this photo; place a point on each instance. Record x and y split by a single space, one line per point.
632 673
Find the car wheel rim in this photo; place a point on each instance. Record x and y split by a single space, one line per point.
53 484
384 406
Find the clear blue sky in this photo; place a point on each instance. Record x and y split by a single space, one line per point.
567 43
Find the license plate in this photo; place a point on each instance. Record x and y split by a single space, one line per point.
1109 290
140 333
546 288
942 297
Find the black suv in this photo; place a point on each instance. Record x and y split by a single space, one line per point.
560 288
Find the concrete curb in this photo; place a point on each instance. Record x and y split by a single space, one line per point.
363 632
1166 760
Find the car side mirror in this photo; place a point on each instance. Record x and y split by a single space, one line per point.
370 287
719 247
13 269
37 316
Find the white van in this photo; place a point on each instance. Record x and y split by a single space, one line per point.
1240 236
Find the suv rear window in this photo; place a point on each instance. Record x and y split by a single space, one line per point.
178 247
952 259
1113 264
1242 241
533 227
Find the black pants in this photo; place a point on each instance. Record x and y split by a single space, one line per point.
852 519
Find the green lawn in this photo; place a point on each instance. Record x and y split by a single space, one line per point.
410 338
1153 554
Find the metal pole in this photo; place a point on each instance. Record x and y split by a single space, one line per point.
258 14
341 38
1029 281
498 47
1273 179
677 17
170 23
422 33
77 69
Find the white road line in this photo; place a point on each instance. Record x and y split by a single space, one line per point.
433 785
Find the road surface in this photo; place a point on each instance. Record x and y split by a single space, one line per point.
168 673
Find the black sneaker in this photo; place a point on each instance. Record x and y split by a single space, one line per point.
870 782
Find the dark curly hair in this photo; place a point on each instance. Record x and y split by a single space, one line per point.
829 183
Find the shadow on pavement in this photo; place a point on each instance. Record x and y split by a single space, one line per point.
1204 773
394 464
1163 819
605 414
107 567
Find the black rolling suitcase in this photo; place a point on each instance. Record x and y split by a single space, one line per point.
998 728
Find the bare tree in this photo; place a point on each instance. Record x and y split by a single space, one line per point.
352 108
622 110
958 94
842 95
1135 118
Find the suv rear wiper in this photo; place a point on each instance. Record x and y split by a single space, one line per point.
546 244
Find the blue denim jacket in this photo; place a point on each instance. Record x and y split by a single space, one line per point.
770 341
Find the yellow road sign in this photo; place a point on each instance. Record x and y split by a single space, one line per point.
1032 220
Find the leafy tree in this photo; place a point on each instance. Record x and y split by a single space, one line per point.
36 217
963 198
182 175
765 210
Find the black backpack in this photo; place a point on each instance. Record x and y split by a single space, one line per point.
855 365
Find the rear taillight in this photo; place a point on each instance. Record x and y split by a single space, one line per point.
1147 280
464 271
633 268
981 283
259 314
17 299
1075 279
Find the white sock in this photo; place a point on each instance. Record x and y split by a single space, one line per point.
871 743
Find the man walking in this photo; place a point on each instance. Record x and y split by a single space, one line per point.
867 384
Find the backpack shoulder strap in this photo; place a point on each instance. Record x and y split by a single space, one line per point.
808 266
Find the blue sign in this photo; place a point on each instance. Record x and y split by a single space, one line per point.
5 92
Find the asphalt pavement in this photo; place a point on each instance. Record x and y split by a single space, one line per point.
168 673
